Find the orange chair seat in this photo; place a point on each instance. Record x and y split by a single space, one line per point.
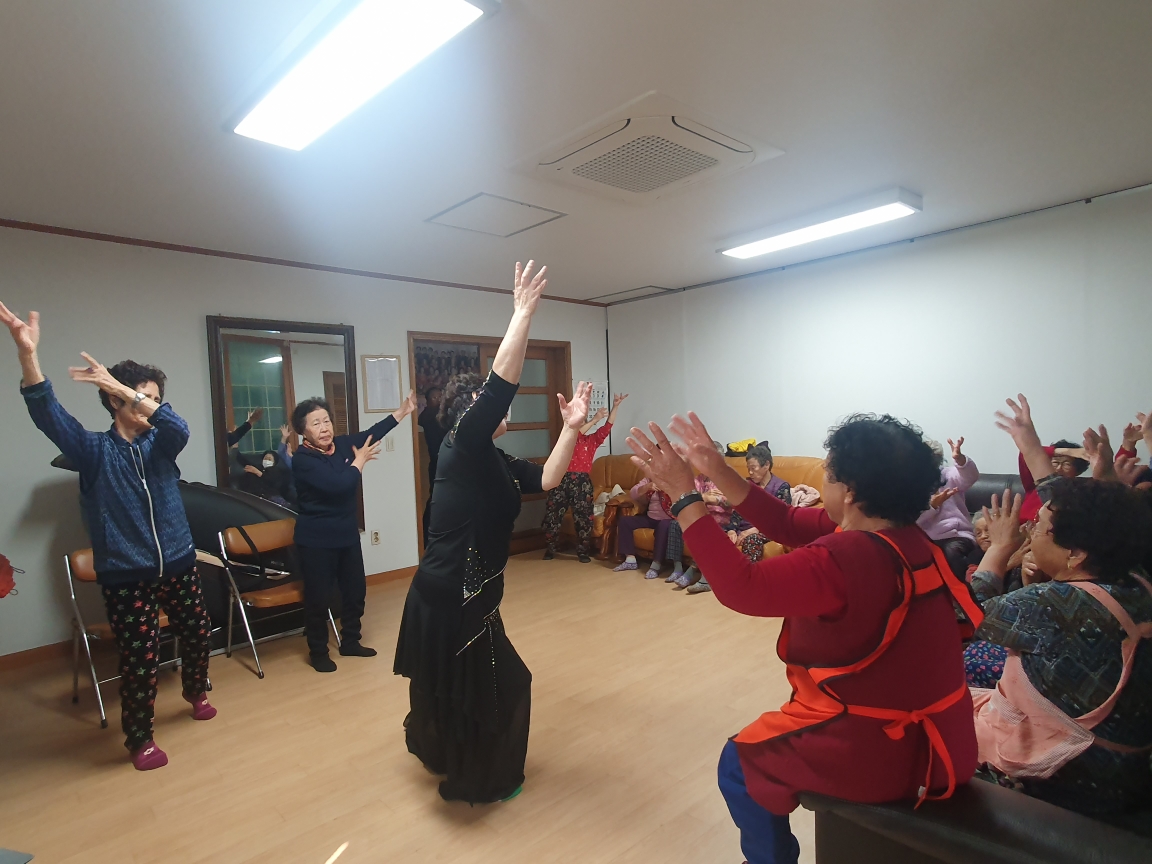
281 595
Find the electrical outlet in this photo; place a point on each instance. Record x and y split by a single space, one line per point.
389 444
375 538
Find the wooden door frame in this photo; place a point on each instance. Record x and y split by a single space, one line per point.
560 381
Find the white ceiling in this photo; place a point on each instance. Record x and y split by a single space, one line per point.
113 112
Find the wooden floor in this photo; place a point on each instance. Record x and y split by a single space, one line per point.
636 687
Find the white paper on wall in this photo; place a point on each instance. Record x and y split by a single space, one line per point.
599 398
381 384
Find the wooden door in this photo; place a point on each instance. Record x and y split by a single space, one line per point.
336 395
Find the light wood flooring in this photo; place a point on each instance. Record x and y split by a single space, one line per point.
636 687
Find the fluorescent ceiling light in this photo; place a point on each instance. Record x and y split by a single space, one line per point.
894 204
274 359
374 45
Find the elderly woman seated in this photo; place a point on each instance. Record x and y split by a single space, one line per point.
759 462
1070 720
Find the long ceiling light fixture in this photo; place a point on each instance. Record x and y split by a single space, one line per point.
376 43
863 213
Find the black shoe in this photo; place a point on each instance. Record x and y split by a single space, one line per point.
584 559
355 649
321 662
549 554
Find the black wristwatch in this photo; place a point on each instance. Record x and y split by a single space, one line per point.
686 500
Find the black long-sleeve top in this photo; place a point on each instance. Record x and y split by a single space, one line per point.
326 487
475 502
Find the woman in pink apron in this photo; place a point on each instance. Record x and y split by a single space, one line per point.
1070 720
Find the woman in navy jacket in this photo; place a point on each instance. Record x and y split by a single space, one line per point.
141 544
327 469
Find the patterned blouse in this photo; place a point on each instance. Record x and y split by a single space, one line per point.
1069 646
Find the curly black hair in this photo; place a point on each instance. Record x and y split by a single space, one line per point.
133 374
891 471
762 453
1081 465
300 412
1108 521
459 394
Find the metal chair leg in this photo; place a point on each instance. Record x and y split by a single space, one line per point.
95 680
251 641
75 663
232 599
335 632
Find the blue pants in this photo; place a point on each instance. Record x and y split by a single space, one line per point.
765 838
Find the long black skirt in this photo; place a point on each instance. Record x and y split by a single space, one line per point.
470 706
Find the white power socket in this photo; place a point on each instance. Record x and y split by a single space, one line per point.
375 538
389 444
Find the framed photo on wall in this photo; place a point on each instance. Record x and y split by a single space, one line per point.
381 373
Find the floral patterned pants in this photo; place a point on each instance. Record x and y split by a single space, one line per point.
134 613
574 491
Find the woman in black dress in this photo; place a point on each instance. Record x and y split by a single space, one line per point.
470 692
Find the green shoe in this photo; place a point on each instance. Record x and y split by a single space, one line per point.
519 789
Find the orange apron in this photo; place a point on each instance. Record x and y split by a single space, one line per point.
814 701
1022 734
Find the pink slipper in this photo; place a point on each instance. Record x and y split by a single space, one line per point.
148 757
201 710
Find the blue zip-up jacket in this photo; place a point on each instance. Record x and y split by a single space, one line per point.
128 491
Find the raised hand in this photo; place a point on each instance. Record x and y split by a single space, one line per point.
1128 470
660 462
26 334
575 413
1132 434
699 450
959 458
285 434
406 407
363 455
1019 425
1098 448
95 373
527 288
617 399
1003 518
940 497
1145 425
255 414
600 414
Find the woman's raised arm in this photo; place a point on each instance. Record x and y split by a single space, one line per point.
509 362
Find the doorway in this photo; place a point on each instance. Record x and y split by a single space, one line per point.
534 425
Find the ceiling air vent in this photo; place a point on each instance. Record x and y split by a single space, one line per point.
646 149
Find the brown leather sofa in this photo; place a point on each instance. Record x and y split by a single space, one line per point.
610 471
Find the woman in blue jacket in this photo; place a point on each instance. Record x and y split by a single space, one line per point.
327 469
141 544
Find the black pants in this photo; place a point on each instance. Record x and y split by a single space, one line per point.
957 550
324 571
134 613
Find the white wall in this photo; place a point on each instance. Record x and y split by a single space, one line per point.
118 301
1056 305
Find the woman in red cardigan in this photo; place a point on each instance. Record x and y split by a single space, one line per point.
879 710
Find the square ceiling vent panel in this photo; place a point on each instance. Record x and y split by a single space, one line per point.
491 214
645 149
